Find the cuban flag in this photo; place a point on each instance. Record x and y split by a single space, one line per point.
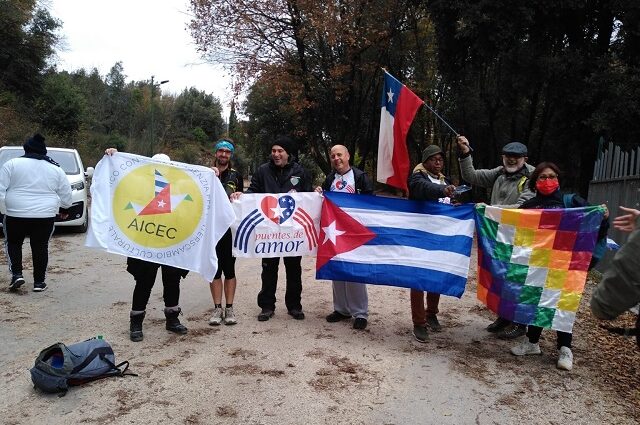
399 107
389 241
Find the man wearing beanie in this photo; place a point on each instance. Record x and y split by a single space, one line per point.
33 189
427 183
280 175
509 189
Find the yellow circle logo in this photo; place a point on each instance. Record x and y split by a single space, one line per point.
157 206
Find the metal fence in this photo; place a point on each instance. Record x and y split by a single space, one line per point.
616 182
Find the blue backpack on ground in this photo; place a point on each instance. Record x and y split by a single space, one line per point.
601 244
60 366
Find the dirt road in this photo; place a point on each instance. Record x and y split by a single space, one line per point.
285 371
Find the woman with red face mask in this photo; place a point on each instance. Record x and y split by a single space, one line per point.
544 182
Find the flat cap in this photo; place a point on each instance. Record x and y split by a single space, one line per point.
514 149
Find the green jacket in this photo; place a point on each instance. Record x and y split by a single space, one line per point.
619 289
506 190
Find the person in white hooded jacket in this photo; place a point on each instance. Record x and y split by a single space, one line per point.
33 190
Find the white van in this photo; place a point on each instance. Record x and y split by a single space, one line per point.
70 162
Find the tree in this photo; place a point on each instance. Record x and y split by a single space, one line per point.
194 108
60 106
324 58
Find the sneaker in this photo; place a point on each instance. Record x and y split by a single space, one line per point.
516 330
229 317
360 323
296 314
565 358
432 322
216 318
16 281
39 286
265 315
526 348
498 325
336 317
420 333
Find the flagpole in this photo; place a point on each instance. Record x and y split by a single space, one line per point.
445 123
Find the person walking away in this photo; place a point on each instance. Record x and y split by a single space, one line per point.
33 190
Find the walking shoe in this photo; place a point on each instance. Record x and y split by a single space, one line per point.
420 333
565 358
39 286
360 323
135 327
296 314
229 317
432 322
498 325
336 317
526 348
216 318
16 281
265 315
173 323
514 331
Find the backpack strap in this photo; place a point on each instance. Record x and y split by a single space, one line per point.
521 183
100 351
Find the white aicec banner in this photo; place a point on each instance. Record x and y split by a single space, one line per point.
276 224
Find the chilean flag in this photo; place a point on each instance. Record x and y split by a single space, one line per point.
389 241
399 107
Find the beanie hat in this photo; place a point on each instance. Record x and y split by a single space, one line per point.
431 150
35 144
161 157
514 149
287 144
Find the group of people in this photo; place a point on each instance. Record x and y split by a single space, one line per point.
30 201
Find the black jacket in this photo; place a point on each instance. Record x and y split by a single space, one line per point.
423 189
364 186
232 181
269 178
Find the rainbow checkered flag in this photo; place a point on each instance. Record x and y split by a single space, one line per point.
532 264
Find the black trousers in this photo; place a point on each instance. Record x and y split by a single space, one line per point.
293 295
144 273
564 338
226 261
39 231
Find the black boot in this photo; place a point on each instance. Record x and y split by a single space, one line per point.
173 323
135 327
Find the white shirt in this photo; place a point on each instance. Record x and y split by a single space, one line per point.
344 182
33 188
445 200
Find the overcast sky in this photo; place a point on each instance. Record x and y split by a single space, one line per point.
148 37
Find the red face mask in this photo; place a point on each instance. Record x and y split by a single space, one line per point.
548 186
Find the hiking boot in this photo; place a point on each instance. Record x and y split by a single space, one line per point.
420 333
173 323
432 322
565 358
135 327
336 317
229 317
360 323
498 325
216 318
39 286
296 314
526 348
265 315
514 331
16 281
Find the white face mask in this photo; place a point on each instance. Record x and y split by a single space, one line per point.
512 164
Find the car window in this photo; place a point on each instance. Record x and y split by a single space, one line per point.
67 160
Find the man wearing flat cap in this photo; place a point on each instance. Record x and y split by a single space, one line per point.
427 183
509 189
280 175
33 190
